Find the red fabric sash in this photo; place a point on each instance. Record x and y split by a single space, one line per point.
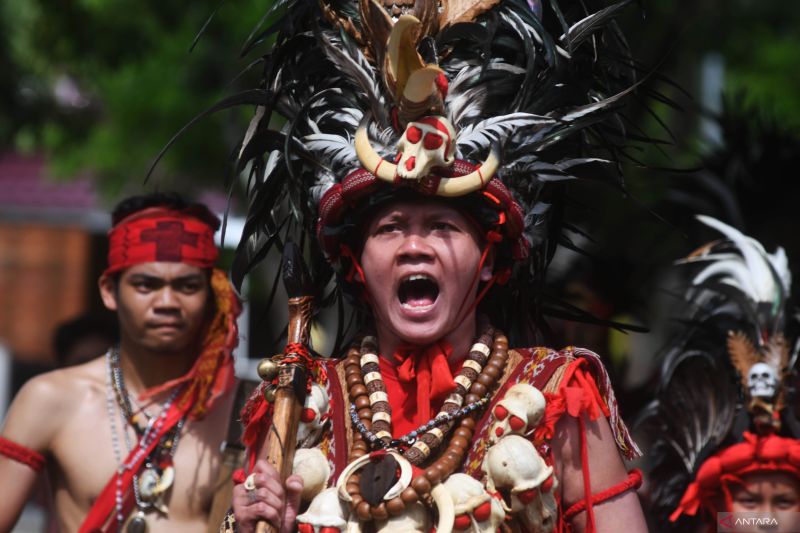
160 234
419 382
209 378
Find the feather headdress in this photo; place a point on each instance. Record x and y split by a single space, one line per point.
535 89
712 394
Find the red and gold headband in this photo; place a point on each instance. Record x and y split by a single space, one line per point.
159 234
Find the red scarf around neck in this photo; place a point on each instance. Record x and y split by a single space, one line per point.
417 382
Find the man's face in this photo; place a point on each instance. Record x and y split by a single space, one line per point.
162 307
766 492
420 260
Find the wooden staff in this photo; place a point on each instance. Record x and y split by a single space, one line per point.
290 391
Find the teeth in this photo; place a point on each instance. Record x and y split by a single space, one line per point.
416 277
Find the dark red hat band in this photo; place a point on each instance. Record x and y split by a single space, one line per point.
360 183
160 235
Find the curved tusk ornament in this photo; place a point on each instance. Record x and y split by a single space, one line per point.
444 504
402 58
474 181
165 481
369 158
395 490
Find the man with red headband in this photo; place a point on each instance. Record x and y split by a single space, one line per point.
724 430
414 157
131 440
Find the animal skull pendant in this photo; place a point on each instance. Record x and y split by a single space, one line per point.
475 509
518 413
515 469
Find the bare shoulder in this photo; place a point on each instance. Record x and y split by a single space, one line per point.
44 404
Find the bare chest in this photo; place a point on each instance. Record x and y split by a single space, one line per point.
88 450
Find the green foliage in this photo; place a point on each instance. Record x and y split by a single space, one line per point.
131 61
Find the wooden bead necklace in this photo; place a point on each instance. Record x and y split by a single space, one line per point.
476 381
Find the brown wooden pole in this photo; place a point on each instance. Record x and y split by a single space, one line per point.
290 392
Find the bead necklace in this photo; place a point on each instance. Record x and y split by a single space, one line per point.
411 437
474 383
150 486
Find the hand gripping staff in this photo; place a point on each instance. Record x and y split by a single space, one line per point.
289 373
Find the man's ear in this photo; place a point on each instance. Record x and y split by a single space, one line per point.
108 291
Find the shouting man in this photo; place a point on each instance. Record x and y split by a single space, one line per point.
419 149
131 440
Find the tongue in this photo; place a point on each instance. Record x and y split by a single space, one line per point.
419 301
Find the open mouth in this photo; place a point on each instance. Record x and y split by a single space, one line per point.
418 291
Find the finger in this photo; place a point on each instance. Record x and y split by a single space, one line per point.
263 467
265 496
270 482
262 511
294 491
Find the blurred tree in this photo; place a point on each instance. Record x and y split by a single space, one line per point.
102 86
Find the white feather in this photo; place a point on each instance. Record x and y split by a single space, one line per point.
480 136
763 277
332 150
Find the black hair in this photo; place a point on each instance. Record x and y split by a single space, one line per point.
171 200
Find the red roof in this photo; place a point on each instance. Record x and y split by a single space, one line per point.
24 184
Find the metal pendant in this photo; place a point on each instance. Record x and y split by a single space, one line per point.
148 482
137 524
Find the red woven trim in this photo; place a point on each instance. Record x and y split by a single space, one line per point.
633 481
21 454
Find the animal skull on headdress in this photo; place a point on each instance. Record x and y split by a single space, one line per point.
762 381
326 513
516 470
447 187
475 509
518 413
313 417
425 144
414 519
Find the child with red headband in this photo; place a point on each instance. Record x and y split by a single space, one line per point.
131 439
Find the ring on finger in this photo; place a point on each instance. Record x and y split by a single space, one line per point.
250 483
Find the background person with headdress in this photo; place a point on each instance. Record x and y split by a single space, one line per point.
422 160
722 434
131 440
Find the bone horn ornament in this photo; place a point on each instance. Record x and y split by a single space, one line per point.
445 507
402 58
448 187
